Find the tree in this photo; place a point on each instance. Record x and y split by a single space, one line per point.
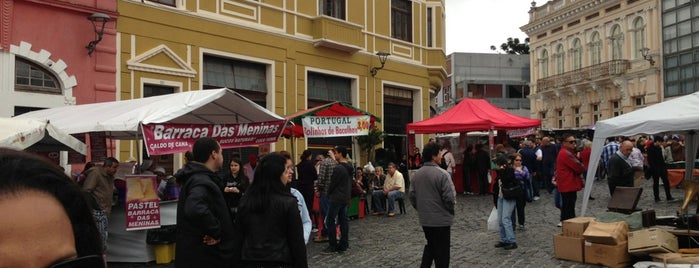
513 46
368 142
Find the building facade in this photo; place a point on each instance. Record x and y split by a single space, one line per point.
680 36
588 60
502 79
288 56
44 60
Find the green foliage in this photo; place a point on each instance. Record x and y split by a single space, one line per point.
368 142
513 46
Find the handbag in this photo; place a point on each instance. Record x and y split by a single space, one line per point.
512 191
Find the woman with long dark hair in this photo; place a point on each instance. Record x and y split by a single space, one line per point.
306 178
269 229
235 185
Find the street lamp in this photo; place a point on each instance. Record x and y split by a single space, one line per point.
383 55
96 19
649 58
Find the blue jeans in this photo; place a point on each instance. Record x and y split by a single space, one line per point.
102 222
339 211
324 205
392 196
505 209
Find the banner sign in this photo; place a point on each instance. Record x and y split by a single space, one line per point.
175 138
335 126
142 202
522 132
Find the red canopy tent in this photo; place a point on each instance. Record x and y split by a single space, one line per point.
331 109
471 115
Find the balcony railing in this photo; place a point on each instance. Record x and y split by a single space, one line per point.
337 34
595 72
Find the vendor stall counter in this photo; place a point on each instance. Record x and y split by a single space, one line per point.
130 246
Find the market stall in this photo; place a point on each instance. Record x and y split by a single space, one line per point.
471 115
679 115
167 124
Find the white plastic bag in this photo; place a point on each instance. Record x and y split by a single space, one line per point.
493 223
490 178
369 167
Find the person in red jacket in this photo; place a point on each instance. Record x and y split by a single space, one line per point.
569 169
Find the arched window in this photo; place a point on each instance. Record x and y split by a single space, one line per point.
639 40
544 64
617 40
577 54
595 49
560 57
30 77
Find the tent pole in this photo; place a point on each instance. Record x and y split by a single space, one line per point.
138 150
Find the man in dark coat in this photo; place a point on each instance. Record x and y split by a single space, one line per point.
482 159
204 223
619 170
658 168
339 193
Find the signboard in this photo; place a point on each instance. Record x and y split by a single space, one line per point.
522 132
335 126
174 138
142 202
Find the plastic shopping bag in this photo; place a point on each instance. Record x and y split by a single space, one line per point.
493 223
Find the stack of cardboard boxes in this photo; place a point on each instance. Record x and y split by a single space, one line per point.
610 244
606 244
569 245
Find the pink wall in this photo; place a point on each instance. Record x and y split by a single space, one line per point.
62 28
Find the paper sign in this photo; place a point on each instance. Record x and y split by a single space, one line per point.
142 202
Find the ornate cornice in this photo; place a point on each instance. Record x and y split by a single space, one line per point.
557 12
5 23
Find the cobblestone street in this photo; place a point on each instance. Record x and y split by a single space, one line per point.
398 241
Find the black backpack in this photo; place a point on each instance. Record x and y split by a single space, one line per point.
443 164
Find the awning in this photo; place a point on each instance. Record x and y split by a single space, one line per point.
36 135
331 109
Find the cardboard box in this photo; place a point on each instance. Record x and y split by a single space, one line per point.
608 233
652 240
576 226
607 255
569 248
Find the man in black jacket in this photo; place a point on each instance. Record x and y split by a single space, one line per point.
482 168
339 193
619 170
204 223
658 169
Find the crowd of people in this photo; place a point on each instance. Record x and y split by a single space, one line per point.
260 213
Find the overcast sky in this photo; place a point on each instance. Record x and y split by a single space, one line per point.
475 25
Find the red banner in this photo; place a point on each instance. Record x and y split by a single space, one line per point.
175 138
142 202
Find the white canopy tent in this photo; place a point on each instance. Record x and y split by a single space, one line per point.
121 119
679 115
36 135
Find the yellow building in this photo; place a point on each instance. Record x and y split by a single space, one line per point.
287 55
588 60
